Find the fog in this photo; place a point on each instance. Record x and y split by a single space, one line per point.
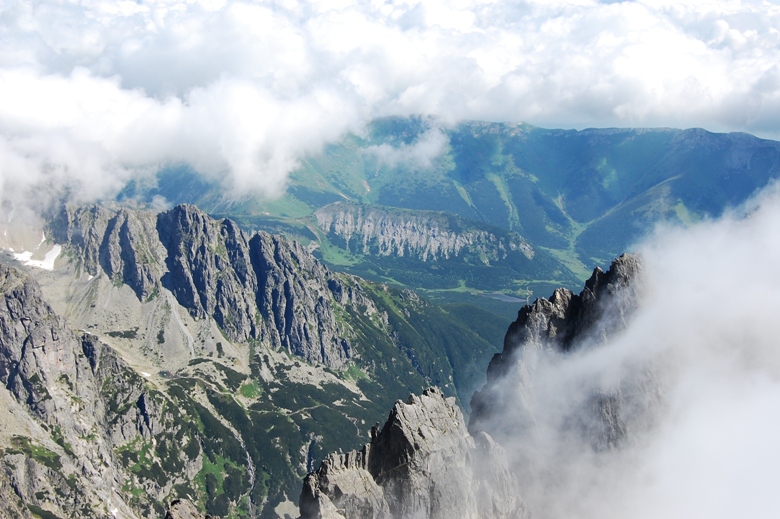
95 93
697 372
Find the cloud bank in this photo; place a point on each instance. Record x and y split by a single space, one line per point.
698 371
94 93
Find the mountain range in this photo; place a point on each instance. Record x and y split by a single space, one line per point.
184 362
229 427
200 351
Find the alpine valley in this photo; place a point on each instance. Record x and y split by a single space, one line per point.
236 356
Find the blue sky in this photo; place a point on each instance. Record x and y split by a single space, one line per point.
94 93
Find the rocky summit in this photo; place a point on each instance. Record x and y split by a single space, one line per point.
421 464
557 326
260 287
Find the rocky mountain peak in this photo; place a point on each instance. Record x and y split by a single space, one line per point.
260 287
558 321
421 464
558 325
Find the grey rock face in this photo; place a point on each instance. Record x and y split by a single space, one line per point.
558 325
78 402
421 464
120 242
425 235
259 287
209 270
296 295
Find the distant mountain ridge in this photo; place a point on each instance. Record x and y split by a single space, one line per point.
583 197
425 235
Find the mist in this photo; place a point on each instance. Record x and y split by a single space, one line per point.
696 370
93 94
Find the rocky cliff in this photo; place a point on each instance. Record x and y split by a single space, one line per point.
421 464
70 404
426 235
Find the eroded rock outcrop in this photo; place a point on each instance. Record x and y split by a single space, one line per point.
426 235
421 464
121 242
57 377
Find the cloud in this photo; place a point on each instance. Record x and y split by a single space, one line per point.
421 154
102 91
698 370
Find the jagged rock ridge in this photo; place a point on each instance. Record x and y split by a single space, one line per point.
564 322
421 464
260 287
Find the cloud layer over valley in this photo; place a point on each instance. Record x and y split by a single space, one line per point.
698 372
92 94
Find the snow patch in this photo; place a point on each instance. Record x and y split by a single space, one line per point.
23 256
48 260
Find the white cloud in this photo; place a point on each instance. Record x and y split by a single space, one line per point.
241 89
421 154
699 372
